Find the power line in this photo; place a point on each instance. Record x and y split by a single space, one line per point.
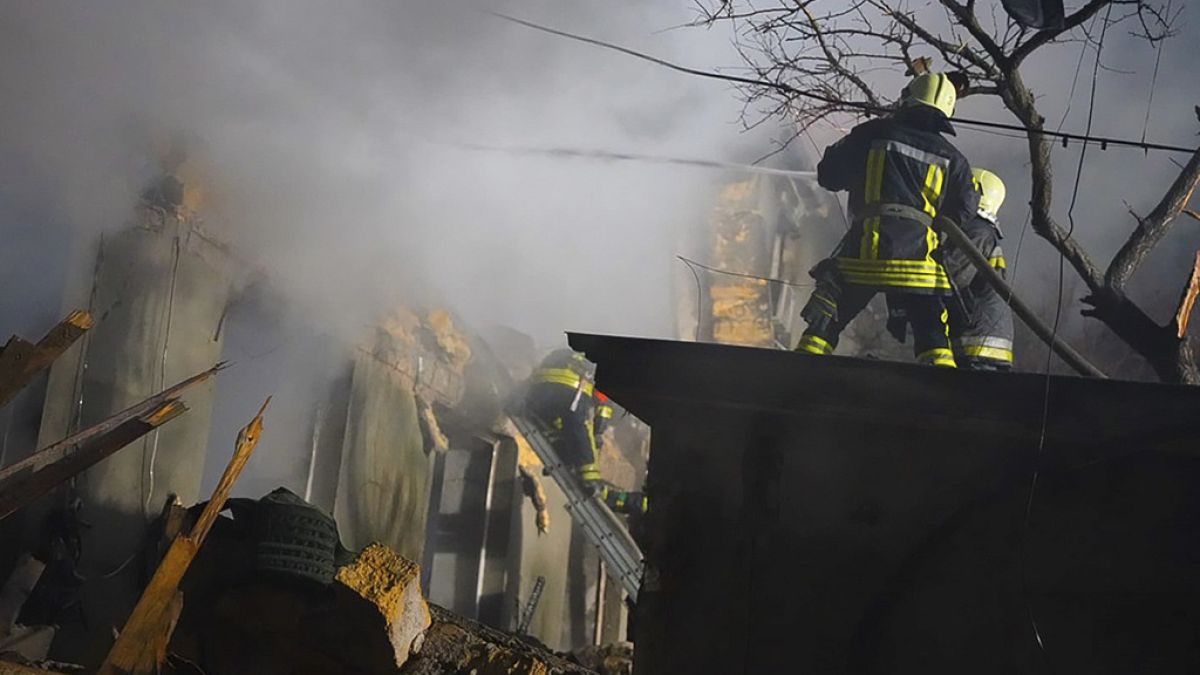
1057 317
608 155
1103 141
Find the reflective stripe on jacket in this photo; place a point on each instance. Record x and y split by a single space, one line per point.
987 331
901 174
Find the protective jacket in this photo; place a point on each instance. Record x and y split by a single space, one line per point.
560 398
981 325
901 174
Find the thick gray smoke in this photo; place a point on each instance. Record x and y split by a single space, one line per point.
332 140
324 131
329 141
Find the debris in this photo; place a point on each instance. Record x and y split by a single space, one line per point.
1183 314
531 485
16 590
432 431
137 647
392 584
452 343
530 607
21 361
530 467
428 353
612 659
31 642
10 668
454 644
37 474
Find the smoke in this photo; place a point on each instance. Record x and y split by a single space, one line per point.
325 137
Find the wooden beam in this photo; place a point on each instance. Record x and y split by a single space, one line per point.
21 361
37 474
143 631
1187 301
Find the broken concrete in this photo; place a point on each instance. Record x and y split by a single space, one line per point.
393 584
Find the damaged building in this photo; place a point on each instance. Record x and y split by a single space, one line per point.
400 447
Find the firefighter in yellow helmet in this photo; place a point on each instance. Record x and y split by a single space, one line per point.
562 398
901 174
981 323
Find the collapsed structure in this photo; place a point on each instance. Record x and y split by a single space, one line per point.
417 533
405 445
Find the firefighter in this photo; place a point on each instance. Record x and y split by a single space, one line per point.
620 501
981 322
561 398
901 174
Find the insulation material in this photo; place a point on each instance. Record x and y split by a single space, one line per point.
427 350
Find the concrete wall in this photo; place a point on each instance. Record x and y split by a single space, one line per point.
547 555
158 294
836 515
383 486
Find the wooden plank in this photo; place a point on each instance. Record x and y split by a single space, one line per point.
32 477
55 452
17 353
1183 314
143 630
18 371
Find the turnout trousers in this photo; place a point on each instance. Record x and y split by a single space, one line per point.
833 306
566 415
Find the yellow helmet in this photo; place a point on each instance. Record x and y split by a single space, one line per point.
991 191
932 89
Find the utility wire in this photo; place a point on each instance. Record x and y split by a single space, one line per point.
1057 317
1104 141
718 270
582 153
1153 84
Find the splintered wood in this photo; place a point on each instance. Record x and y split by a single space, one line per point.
142 643
1183 315
39 473
21 361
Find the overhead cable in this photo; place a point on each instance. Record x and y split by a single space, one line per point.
1064 136
584 153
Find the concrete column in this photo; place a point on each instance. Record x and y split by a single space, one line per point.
384 483
159 290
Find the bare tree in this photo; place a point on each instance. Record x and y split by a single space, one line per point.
818 58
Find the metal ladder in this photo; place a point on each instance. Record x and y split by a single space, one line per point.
601 526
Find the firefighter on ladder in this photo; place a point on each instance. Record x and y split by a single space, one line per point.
562 398
901 174
981 320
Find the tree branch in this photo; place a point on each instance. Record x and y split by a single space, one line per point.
966 17
947 49
1019 99
835 61
1071 23
1151 229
